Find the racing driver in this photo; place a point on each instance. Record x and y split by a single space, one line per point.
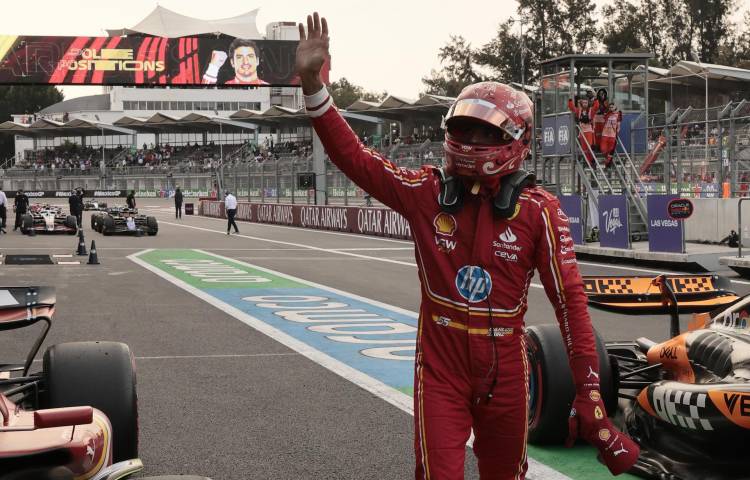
481 228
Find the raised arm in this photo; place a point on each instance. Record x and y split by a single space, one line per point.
394 186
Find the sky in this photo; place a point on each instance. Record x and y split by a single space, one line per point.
385 45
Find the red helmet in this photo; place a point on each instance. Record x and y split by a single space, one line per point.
500 106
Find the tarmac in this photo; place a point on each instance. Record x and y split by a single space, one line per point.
221 399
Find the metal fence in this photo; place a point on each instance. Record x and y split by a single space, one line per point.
695 152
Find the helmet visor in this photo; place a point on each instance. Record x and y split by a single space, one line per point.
485 111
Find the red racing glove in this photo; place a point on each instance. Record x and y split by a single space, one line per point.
588 420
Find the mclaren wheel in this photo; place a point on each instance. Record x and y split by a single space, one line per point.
551 387
101 375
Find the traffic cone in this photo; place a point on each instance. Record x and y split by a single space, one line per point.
93 257
81 244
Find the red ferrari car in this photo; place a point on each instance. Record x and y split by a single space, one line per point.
77 418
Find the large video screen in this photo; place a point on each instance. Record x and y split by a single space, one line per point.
148 61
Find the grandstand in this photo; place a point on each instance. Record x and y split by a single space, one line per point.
257 141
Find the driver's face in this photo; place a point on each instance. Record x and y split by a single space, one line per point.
245 62
476 132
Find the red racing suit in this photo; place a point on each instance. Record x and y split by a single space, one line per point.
475 270
610 130
583 117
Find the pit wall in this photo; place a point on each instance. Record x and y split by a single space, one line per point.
362 220
714 218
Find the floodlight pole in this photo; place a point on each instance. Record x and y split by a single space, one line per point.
705 79
103 168
523 62
523 73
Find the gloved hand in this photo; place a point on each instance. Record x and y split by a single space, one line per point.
588 420
218 58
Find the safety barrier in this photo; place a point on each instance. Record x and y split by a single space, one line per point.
362 220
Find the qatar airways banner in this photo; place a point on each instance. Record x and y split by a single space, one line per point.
367 221
136 61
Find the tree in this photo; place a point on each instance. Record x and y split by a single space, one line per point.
735 48
578 32
624 29
459 70
23 99
710 23
345 93
502 55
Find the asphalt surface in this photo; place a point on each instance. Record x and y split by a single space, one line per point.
220 399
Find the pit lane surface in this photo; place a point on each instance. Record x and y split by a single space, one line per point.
220 399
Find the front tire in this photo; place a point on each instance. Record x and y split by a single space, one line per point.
107 226
27 223
551 384
100 375
71 222
153 226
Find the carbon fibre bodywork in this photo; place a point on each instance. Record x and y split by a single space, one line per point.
123 220
686 401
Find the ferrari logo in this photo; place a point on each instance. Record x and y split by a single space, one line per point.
598 414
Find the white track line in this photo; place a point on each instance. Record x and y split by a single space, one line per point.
535 285
342 251
376 387
249 355
537 470
327 250
279 242
364 249
306 258
326 232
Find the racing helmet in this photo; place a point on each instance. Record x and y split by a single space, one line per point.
495 105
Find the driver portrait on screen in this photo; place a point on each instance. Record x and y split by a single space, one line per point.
243 56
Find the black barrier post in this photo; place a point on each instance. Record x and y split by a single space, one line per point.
294 181
739 225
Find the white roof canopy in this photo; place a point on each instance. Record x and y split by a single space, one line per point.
163 22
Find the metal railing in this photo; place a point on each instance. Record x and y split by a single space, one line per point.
694 157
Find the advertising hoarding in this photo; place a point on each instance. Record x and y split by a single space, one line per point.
148 61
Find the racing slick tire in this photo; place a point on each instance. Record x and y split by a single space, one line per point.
71 222
93 222
100 375
27 223
551 387
153 226
107 226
